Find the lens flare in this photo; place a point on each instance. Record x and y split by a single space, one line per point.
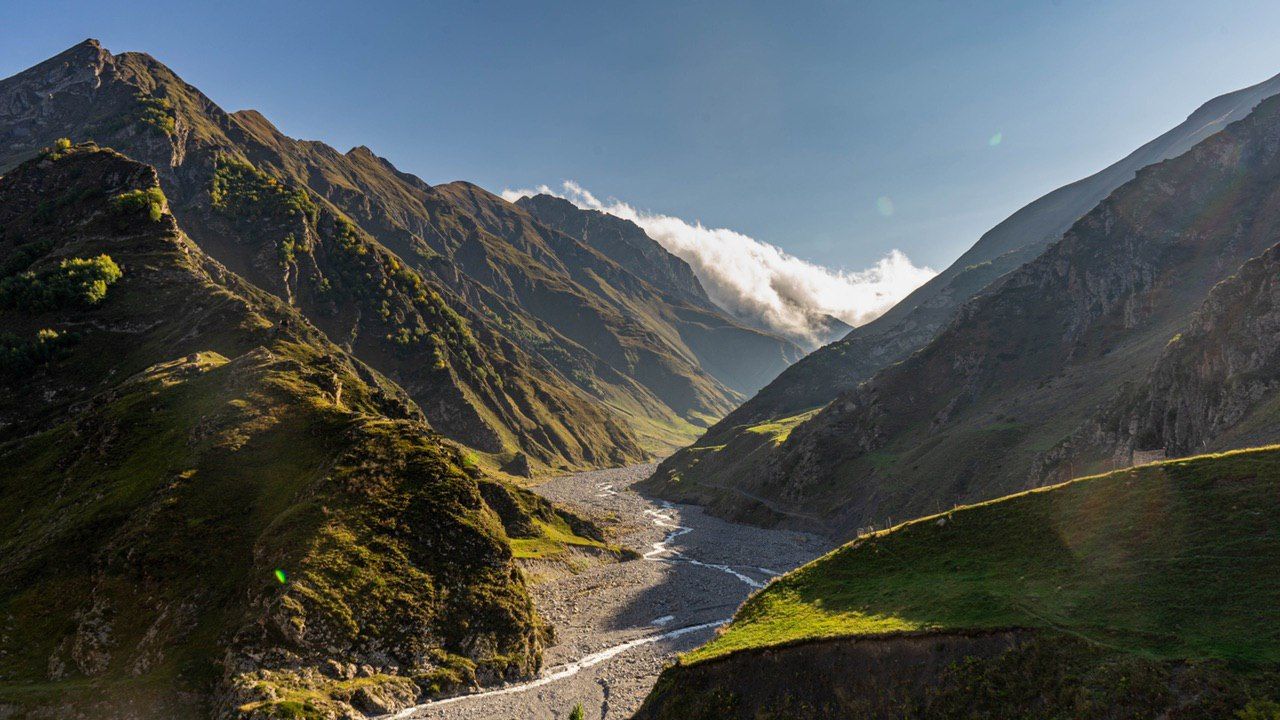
884 205
996 139
281 576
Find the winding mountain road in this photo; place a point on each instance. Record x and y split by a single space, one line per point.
617 624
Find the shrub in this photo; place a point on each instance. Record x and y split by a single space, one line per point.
243 190
156 112
75 281
151 199
57 150
576 713
19 356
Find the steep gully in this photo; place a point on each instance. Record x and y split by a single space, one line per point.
611 619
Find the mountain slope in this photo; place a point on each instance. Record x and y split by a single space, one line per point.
1023 363
546 370
1149 592
743 358
207 508
917 319
1213 387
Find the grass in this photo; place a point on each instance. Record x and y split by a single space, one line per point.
556 538
1174 560
779 430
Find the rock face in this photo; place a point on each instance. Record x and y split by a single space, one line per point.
967 416
918 318
209 509
1213 386
512 337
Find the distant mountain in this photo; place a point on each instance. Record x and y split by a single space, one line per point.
742 437
1141 594
207 509
625 242
532 348
1023 363
743 358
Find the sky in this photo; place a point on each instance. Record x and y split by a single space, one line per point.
835 132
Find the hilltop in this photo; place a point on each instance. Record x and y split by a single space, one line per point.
1144 591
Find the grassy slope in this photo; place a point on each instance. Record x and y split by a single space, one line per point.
1172 560
196 436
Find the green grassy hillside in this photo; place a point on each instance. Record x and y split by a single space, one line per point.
1176 560
208 508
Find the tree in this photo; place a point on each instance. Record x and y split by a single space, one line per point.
576 713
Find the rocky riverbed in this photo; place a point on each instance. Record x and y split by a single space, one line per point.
617 624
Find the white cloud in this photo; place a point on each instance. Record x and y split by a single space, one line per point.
758 282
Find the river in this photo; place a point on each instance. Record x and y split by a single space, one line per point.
617 624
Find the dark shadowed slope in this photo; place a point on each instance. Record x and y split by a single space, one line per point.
1213 387
909 325
750 432
1023 364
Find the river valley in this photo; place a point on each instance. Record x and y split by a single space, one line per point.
617 624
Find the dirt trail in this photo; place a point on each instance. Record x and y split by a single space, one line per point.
616 625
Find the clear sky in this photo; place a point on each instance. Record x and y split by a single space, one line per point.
785 121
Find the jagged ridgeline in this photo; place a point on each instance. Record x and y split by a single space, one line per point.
209 508
535 349
1148 592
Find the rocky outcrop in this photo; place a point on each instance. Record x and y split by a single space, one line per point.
1210 388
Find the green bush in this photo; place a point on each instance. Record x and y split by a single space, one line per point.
576 713
19 356
81 281
243 190
1260 710
151 199
57 150
157 112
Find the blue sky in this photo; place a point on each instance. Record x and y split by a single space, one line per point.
785 121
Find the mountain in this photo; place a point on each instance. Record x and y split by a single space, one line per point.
1149 592
910 324
209 509
743 358
975 340
1213 387
555 356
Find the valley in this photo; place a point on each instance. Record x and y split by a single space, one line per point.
618 624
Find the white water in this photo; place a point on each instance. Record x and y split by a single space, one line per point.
663 519
565 671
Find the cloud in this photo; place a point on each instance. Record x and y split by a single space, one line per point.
760 283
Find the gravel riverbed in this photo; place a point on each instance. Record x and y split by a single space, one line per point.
617 624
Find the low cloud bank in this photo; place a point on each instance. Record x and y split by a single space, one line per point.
760 283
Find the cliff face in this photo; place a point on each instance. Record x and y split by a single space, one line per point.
917 319
966 417
1212 387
